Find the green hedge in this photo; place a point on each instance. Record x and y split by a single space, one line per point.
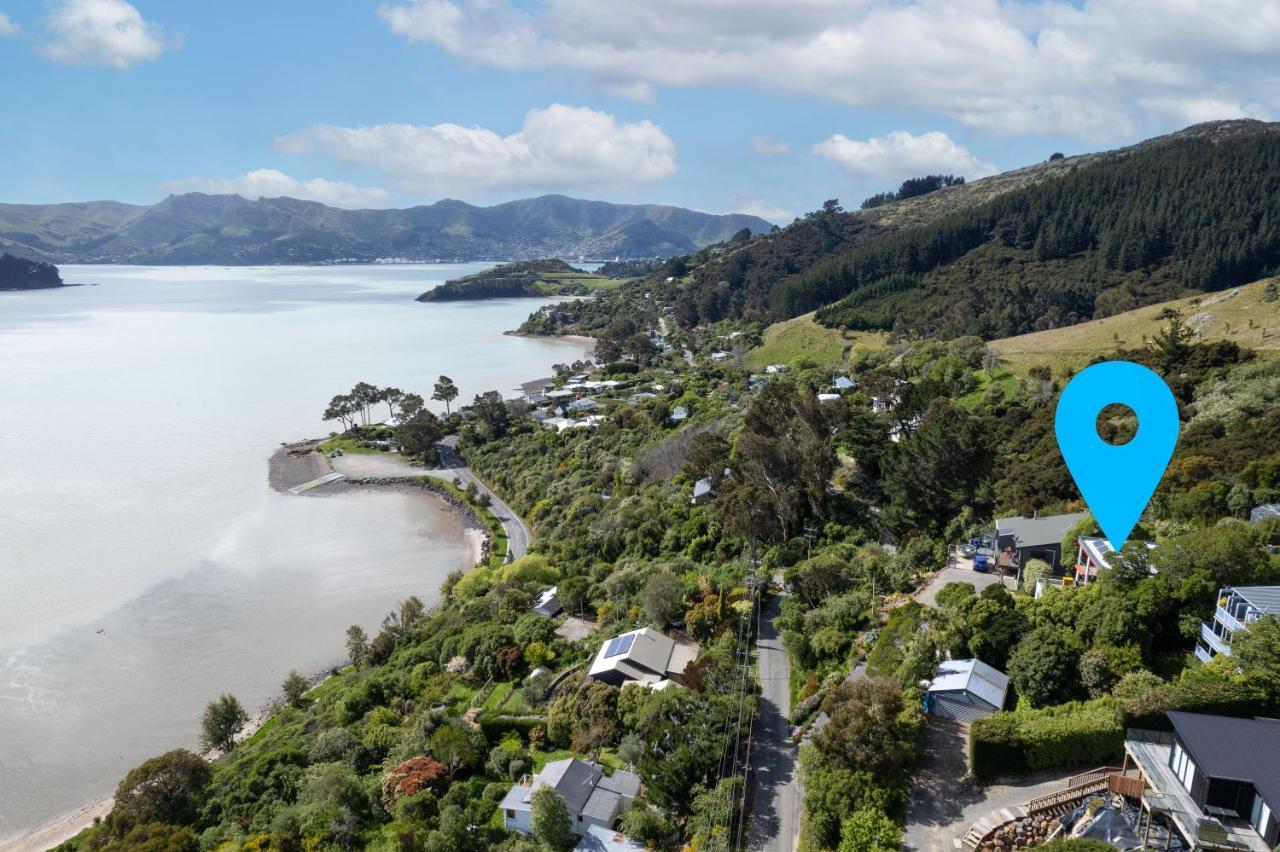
1091 733
1076 734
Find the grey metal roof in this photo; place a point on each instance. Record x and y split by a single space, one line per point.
1240 749
1036 532
622 782
974 677
1265 598
1266 510
573 779
648 653
599 839
602 806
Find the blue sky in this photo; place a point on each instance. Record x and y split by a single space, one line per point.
763 107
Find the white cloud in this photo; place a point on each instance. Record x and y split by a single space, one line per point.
1099 69
900 155
7 26
754 205
559 147
111 33
766 147
270 183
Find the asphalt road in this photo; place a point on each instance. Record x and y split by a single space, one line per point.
455 468
776 797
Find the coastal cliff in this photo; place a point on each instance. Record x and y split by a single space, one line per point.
19 273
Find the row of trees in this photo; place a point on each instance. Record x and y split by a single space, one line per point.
356 406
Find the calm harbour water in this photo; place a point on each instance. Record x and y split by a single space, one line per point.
145 565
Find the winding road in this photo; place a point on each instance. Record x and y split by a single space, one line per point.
513 525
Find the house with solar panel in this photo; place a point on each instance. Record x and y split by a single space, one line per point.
966 690
642 656
592 798
1238 607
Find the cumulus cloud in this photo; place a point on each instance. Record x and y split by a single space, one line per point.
1101 69
110 33
766 147
900 155
7 26
559 147
754 205
270 183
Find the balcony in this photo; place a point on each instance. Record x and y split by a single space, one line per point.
1228 620
1213 640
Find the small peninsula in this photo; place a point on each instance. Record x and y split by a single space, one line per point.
547 277
19 273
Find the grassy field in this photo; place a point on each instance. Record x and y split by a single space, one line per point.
1242 314
792 340
567 282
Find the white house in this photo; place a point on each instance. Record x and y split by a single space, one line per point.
966 690
548 603
593 798
828 397
774 369
703 492
642 656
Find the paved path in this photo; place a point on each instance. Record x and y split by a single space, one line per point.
776 797
944 802
518 535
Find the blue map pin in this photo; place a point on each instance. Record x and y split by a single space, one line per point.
1117 481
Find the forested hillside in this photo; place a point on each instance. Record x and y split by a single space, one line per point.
1189 215
1061 242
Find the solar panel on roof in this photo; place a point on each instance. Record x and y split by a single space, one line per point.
620 645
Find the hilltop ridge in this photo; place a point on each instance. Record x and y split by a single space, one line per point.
227 229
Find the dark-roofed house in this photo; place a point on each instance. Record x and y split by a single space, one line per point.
966 690
1216 777
548 603
1238 607
642 656
1021 539
593 798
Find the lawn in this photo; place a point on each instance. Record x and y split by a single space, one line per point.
791 341
348 446
497 696
1242 314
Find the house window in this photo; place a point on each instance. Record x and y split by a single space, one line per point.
511 814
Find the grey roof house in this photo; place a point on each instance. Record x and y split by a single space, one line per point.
1021 539
642 656
966 690
593 798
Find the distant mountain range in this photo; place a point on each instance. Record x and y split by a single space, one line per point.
228 229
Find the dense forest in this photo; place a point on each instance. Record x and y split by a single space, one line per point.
1187 215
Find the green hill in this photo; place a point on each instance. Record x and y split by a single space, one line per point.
1248 315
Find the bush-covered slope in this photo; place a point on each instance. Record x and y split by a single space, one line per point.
1192 214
